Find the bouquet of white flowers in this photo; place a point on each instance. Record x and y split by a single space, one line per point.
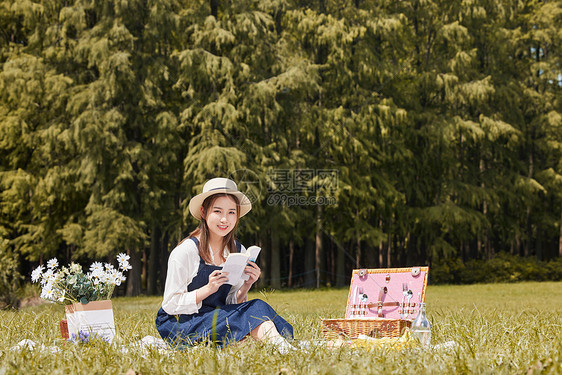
71 285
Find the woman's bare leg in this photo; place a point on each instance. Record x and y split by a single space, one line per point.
267 332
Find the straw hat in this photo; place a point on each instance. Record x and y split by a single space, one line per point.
217 186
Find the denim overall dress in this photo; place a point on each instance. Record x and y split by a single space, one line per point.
217 321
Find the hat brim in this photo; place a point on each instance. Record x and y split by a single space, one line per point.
197 201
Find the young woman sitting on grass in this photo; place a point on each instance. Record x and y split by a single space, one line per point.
198 304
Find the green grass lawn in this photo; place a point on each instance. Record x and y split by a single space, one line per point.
500 328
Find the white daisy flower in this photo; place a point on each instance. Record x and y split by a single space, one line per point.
112 277
96 266
122 257
48 276
97 270
36 274
47 292
53 263
50 295
103 277
125 266
97 273
109 267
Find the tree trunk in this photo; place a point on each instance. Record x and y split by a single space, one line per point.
291 255
528 226
275 261
180 226
381 254
264 258
526 244
214 8
358 255
478 244
560 238
318 249
144 273
164 253
332 265
309 257
381 249
340 267
388 250
153 263
322 6
134 279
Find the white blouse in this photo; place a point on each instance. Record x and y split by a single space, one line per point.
182 268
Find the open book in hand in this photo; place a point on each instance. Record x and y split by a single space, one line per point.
236 262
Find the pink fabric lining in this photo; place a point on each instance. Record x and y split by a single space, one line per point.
370 284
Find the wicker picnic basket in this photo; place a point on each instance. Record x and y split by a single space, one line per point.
381 303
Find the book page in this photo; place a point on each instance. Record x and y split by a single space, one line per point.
253 252
234 265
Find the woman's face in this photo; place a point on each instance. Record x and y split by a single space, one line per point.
221 216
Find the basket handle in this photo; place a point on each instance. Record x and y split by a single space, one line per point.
382 292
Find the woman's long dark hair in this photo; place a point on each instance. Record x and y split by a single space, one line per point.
203 230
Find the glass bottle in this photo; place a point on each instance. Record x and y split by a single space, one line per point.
421 328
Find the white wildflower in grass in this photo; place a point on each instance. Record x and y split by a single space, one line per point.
109 267
53 263
36 274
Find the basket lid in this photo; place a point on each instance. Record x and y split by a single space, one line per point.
392 293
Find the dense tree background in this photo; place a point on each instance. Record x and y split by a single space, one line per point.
368 133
